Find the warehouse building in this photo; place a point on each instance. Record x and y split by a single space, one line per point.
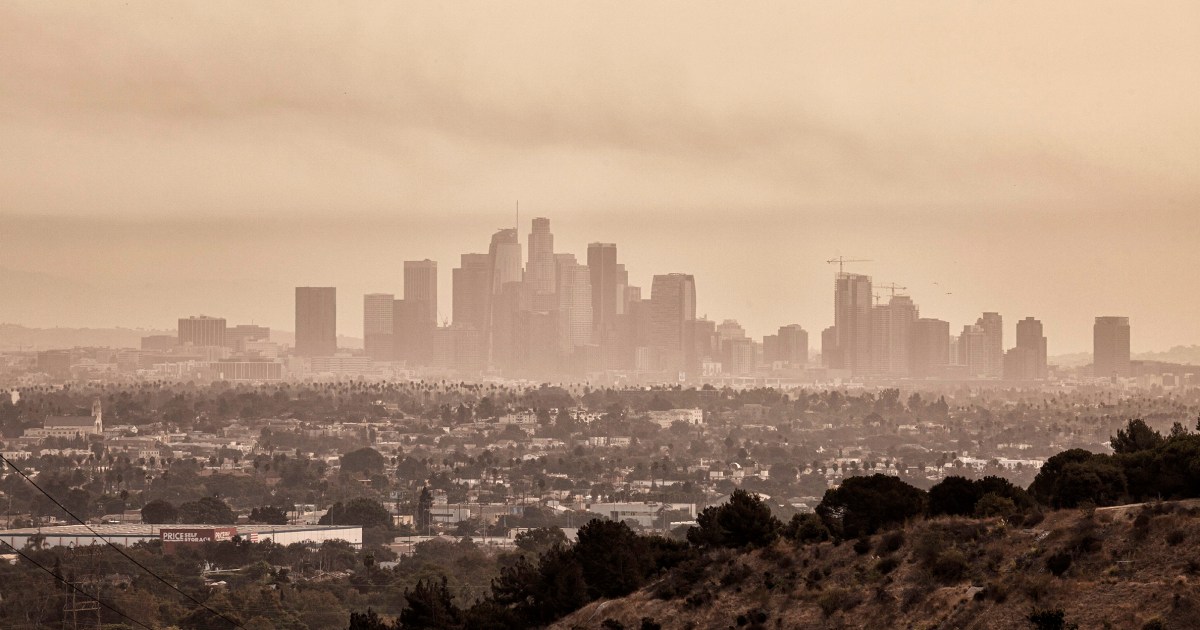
173 535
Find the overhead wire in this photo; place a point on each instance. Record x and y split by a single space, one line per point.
118 548
74 586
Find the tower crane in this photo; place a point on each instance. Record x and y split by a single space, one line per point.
841 262
893 287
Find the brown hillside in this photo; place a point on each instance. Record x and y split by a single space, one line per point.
1120 568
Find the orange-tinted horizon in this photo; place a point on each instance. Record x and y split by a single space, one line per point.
163 161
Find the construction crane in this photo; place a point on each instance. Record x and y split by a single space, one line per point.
892 287
841 262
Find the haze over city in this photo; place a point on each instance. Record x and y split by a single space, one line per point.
1030 160
372 315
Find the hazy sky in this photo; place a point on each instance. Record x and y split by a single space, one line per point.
165 159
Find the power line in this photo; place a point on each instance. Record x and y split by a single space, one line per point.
74 586
117 548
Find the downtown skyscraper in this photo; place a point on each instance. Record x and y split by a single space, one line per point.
602 265
540 270
574 290
471 291
415 317
672 308
852 301
891 330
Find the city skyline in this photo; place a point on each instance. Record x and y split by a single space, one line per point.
518 321
350 306
1024 166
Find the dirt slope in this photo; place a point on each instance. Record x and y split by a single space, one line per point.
1117 569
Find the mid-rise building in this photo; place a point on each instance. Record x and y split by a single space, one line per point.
993 339
791 346
1027 360
316 321
1110 347
929 348
973 351
202 331
236 337
379 326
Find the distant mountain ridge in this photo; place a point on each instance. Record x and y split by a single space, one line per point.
1189 355
16 337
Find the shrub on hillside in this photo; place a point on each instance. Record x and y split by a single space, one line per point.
806 528
862 506
744 521
1058 563
890 542
1050 620
950 566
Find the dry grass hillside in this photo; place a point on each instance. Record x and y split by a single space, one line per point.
1128 567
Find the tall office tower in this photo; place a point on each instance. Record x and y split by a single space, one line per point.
830 357
316 321
379 326
672 304
514 298
852 319
791 345
1027 360
1110 347
890 336
539 272
420 288
972 351
472 286
993 332
406 331
202 331
574 303
602 265
929 348
504 267
237 336
504 256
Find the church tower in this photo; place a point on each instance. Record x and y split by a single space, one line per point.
98 415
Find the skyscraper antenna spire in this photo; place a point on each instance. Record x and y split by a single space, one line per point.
518 223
